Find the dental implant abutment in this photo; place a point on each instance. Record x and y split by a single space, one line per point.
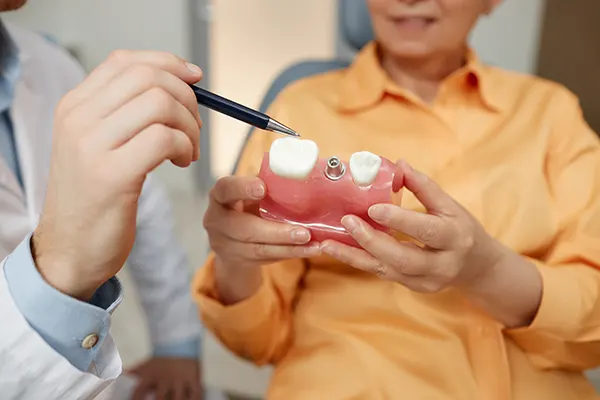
334 169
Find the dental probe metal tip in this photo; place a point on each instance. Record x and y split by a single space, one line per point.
278 127
240 112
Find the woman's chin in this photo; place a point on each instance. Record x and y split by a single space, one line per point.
410 50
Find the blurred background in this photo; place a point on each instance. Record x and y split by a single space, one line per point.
556 39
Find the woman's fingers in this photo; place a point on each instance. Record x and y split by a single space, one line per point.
406 259
426 282
249 228
142 391
221 219
243 237
355 257
435 200
428 229
233 189
192 390
164 392
261 252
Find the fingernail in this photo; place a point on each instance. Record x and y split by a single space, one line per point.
378 212
408 166
258 191
300 236
350 223
313 250
327 249
194 69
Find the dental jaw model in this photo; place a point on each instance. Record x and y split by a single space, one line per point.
303 189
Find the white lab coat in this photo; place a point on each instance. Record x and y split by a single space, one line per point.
29 368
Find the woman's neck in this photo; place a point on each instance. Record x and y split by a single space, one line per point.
424 76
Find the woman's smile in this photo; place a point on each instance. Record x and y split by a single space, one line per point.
413 25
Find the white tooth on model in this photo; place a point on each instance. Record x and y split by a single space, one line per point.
293 158
364 167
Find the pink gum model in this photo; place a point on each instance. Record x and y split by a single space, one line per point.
321 200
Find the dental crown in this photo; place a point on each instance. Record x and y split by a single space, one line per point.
295 158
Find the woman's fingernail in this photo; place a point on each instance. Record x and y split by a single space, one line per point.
378 212
408 166
194 69
258 191
350 223
327 249
300 236
313 250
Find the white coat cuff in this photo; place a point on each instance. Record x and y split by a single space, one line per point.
73 328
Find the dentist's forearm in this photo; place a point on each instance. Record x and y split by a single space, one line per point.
236 283
62 273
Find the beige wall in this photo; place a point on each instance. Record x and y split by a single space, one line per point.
251 42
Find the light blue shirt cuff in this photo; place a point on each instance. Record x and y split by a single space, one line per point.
184 349
62 321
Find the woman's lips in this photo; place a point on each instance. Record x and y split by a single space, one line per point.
413 24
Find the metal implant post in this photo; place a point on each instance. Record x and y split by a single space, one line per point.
334 169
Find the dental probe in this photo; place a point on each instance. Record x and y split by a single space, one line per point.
240 112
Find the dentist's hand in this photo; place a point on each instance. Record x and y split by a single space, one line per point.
242 241
131 114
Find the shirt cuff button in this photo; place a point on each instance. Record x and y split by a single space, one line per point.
89 341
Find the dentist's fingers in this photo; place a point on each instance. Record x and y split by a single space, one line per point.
119 61
155 106
134 81
232 189
249 228
149 148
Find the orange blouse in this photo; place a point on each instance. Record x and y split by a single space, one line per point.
516 152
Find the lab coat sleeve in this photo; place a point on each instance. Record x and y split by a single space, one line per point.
34 361
565 334
161 273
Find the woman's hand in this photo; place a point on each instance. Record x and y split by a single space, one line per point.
168 378
242 241
456 252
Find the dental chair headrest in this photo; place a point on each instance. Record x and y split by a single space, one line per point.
355 23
